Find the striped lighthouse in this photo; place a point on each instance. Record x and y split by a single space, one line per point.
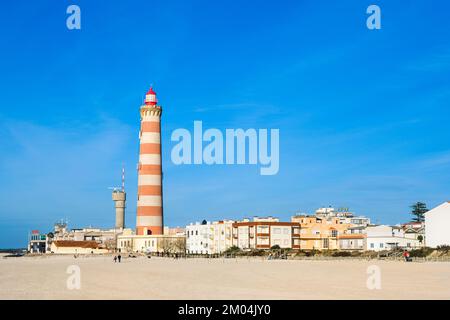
150 202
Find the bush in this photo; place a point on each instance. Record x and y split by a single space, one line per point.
312 253
421 253
342 254
326 253
356 253
233 250
256 253
300 253
445 248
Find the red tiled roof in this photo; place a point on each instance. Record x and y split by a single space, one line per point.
78 244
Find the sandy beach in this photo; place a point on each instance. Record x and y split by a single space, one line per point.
164 278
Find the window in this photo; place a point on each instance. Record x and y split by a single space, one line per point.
286 231
196 232
326 243
381 245
263 229
334 233
277 230
372 245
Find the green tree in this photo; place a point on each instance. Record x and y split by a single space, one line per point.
418 210
420 238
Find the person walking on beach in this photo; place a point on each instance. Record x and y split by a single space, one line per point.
406 256
115 259
119 257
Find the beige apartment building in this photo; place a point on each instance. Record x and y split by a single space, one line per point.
264 233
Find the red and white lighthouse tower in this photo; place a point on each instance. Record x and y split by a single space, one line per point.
150 202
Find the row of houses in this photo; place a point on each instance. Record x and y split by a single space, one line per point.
326 230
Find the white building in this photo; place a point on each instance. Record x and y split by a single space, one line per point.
198 238
38 243
209 238
382 237
415 230
344 216
437 226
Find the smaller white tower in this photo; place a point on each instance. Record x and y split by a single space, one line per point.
119 197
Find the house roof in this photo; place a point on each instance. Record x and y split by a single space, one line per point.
78 244
357 227
352 236
445 205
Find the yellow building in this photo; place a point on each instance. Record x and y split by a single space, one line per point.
319 233
161 243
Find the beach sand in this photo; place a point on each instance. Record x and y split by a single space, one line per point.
164 278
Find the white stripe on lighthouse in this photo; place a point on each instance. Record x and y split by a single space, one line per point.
150 137
149 201
149 180
149 221
150 158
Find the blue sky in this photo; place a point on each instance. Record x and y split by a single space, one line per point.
363 115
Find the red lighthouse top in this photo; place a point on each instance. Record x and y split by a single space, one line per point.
150 97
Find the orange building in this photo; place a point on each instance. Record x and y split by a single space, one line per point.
319 233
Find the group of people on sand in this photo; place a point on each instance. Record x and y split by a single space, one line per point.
117 258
